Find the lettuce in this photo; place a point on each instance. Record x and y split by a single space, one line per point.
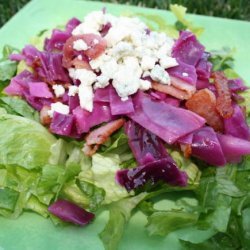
104 169
24 142
119 215
182 23
17 106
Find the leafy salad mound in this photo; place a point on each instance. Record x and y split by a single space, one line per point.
178 187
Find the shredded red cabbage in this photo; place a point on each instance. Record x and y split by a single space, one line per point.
70 212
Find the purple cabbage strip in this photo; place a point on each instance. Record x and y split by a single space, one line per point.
187 49
236 85
71 24
48 65
168 122
160 170
237 125
64 125
233 148
146 147
206 146
85 120
204 67
70 212
185 72
119 107
102 94
202 84
39 89
56 41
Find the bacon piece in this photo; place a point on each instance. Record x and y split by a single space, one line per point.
186 149
96 44
45 119
100 135
203 103
178 88
224 100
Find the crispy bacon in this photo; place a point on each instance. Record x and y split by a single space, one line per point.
96 44
100 135
224 100
45 119
186 149
178 88
203 103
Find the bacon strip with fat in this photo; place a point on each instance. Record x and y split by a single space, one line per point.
100 135
203 103
178 88
224 100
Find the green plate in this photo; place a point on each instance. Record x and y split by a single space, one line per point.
31 231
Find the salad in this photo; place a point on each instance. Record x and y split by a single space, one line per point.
108 114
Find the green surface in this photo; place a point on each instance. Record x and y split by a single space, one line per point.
31 231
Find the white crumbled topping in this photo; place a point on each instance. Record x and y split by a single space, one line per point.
86 97
80 45
86 77
131 54
148 62
168 62
59 90
184 74
145 84
160 75
73 90
59 108
102 81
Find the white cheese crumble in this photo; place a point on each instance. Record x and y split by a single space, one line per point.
131 54
185 74
73 90
80 45
59 90
59 108
159 74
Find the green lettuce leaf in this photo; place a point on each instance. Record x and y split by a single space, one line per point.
182 23
17 106
104 169
119 215
163 223
24 142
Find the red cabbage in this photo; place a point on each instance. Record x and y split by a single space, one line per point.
48 65
102 94
160 170
56 41
204 67
16 57
39 89
85 120
70 212
202 84
73 102
117 106
19 84
157 95
145 146
233 147
105 29
187 49
206 146
236 125
62 124
168 122
71 24
187 139
236 85
185 72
